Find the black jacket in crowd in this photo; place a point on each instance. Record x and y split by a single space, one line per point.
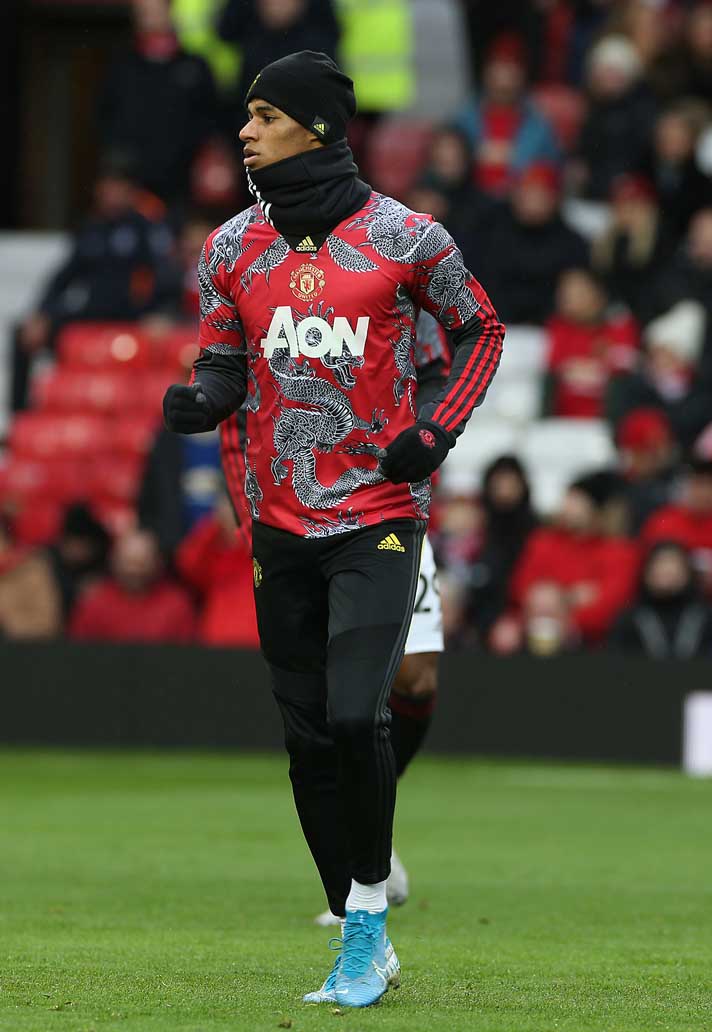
614 139
240 23
521 264
157 114
117 269
675 628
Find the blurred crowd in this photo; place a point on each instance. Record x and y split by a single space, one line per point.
567 146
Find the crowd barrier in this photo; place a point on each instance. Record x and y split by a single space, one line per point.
596 707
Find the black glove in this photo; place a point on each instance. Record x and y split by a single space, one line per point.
415 453
186 410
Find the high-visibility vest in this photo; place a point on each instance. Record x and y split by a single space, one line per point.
377 51
194 22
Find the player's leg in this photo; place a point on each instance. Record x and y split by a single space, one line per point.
412 699
373 580
414 690
291 598
413 696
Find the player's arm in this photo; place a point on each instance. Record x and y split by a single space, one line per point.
218 383
445 288
432 359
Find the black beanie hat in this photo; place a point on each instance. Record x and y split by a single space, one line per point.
311 89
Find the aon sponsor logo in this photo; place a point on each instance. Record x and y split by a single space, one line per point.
314 336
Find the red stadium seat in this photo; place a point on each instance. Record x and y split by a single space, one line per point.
134 434
178 351
115 480
397 153
152 388
38 522
53 434
102 345
57 479
565 108
78 390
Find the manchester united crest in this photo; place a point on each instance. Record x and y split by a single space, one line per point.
306 282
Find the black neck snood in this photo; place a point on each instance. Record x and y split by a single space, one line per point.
306 195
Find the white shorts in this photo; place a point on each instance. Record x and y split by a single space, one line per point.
426 628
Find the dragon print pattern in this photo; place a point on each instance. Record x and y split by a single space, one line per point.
420 493
210 297
402 345
253 491
227 246
448 289
301 432
347 257
344 522
400 235
264 264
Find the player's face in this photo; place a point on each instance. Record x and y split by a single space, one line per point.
271 136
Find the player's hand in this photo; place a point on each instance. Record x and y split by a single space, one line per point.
186 410
415 453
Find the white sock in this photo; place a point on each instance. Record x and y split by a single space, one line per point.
367 897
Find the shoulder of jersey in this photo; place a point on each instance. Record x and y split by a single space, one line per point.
229 243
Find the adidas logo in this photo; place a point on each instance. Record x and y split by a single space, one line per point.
320 125
391 544
307 244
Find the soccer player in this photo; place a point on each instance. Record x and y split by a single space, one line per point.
412 698
308 305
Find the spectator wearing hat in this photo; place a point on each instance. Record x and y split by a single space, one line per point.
527 248
584 555
589 343
668 378
616 131
80 554
635 243
670 618
689 520
506 131
647 463
137 602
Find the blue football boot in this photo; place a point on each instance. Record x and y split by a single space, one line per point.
362 977
327 992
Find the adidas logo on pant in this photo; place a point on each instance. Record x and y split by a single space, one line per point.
391 544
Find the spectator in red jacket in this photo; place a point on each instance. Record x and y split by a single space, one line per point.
217 563
137 603
588 344
579 553
689 521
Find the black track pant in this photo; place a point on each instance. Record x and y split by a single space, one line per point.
333 617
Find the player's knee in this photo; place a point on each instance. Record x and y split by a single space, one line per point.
352 727
418 677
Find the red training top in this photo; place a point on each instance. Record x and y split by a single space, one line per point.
327 339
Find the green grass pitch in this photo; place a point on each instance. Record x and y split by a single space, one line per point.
172 892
